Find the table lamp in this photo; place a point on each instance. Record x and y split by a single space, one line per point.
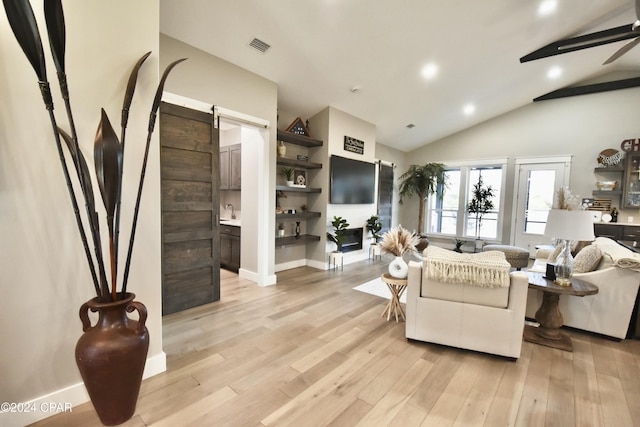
566 226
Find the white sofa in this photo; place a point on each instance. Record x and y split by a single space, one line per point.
483 319
609 311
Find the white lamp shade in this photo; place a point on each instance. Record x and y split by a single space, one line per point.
569 225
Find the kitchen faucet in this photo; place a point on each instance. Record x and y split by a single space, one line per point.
233 212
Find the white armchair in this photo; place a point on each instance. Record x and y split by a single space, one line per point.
485 319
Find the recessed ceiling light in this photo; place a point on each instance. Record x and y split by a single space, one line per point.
469 109
547 7
554 72
429 71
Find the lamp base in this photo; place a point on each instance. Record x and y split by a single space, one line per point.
562 281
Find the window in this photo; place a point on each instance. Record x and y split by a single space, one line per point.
447 211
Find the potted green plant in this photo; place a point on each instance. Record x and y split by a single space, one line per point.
339 225
374 226
281 229
480 204
422 181
287 174
110 354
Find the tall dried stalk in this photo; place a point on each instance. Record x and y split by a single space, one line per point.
108 151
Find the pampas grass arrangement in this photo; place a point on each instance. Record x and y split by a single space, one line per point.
399 241
565 200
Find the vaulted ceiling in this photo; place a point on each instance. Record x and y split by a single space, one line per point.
368 58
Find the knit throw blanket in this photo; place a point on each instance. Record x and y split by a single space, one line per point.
486 269
621 256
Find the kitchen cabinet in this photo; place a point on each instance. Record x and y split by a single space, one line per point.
230 247
231 167
631 187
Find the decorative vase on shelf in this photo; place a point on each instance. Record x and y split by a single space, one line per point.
111 356
297 229
398 268
282 149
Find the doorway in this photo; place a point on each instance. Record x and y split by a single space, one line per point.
536 186
190 182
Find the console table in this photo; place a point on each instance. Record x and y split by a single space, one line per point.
549 315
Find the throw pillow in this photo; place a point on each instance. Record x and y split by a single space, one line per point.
555 253
587 259
577 246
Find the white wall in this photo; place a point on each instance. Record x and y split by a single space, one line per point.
209 79
43 271
341 124
580 126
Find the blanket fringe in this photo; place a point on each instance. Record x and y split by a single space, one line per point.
485 269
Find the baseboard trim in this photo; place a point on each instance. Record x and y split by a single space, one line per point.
69 397
291 264
250 275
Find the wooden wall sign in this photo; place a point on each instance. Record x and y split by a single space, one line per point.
630 145
353 145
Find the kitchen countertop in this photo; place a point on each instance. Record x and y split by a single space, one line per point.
232 222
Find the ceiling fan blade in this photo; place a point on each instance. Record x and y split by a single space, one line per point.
612 35
624 49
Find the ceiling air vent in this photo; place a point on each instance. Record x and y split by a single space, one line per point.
259 45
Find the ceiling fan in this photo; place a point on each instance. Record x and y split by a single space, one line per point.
599 38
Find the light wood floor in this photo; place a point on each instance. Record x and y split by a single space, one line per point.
311 351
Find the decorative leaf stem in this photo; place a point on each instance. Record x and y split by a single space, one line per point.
108 151
150 127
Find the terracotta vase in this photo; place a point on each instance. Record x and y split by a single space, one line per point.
111 356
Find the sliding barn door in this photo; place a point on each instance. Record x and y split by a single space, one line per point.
189 159
385 195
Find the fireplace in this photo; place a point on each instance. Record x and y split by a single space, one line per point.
353 239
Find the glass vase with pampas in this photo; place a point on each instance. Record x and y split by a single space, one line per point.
399 241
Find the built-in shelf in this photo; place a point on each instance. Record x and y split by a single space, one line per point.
298 163
609 169
296 139
297 215
298 189
293 240
606 193
306 142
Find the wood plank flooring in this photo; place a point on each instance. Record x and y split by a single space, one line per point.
311 351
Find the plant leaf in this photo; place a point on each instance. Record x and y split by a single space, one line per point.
25 28
84 169
131 87
158 97
107 153
54 17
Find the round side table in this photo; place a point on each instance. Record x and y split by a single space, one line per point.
396 287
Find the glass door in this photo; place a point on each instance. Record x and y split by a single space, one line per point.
537 184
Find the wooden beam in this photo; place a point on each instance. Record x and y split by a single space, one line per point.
593 88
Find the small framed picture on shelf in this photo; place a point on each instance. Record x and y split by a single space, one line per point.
300 177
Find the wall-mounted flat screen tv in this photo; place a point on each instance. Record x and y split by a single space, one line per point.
352 182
